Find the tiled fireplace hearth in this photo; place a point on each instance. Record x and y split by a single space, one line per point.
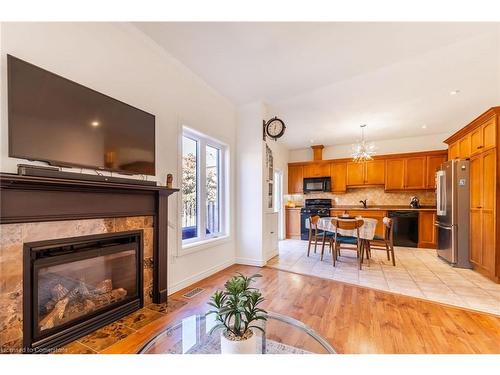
93 278
56 282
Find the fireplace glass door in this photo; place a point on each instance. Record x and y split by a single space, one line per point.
71 290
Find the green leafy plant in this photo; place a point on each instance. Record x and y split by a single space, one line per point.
236 307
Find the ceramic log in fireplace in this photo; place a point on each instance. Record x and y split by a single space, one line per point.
75 285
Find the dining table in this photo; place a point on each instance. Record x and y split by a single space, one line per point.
366 231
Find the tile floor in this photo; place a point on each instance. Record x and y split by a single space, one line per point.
418 273
106 336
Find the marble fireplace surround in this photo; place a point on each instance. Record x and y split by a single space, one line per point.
12 238
39 208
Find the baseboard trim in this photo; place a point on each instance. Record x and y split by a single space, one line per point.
271 254
199 276
250 262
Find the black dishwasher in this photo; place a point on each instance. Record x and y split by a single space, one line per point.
405 228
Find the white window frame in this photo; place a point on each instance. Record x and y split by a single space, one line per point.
202 142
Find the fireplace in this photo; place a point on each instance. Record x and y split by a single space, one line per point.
73 286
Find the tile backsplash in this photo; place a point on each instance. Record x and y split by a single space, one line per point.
375 197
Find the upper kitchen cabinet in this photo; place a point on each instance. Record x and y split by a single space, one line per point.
355 174
464 147
295 179
433 163
366 173
483 137
338 172
453 151
394 174
415 173
375 172
411 171
489 132
316 170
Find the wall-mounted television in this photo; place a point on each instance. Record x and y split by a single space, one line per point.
63 123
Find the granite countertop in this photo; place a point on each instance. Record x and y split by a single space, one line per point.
375 208
385 208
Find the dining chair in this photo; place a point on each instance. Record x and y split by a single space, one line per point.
337 239
384 243
313 233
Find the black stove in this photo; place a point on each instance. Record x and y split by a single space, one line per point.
320 207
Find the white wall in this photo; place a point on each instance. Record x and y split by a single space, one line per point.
250 159
280 162
120 61
389 146
255 220
498 62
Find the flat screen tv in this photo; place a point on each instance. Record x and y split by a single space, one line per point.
63 123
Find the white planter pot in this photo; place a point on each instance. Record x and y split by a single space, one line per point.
248 346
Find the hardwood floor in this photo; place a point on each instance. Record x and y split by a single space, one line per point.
418 273
353 319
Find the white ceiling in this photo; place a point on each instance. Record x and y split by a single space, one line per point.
325 79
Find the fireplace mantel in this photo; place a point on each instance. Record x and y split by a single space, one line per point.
25 199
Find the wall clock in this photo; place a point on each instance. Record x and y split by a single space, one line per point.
275 128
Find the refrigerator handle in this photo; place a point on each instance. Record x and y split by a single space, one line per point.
440 199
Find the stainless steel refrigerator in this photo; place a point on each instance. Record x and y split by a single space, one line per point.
452 193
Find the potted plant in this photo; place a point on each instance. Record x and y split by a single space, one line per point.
236 309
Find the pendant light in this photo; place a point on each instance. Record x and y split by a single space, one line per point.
363 151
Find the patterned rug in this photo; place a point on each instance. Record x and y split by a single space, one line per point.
211 345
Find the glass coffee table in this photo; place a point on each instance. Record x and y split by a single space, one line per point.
284 335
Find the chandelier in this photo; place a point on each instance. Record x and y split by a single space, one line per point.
363 151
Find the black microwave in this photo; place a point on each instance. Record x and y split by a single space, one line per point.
317 184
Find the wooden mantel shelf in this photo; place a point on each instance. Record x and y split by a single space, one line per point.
25 199
10 179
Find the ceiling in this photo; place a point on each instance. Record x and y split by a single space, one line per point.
326 79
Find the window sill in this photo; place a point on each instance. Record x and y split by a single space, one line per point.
202 245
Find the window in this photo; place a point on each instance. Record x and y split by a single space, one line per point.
203 187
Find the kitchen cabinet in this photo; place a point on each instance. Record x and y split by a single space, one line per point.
415 173
337 213
338 172
475 244
366 173
394 174
484 171
489 135
483 137
453 151
316 170
292 223
295 179
433 163
464 147
355 173
427 232
476 141
375 172
406 173
482 207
